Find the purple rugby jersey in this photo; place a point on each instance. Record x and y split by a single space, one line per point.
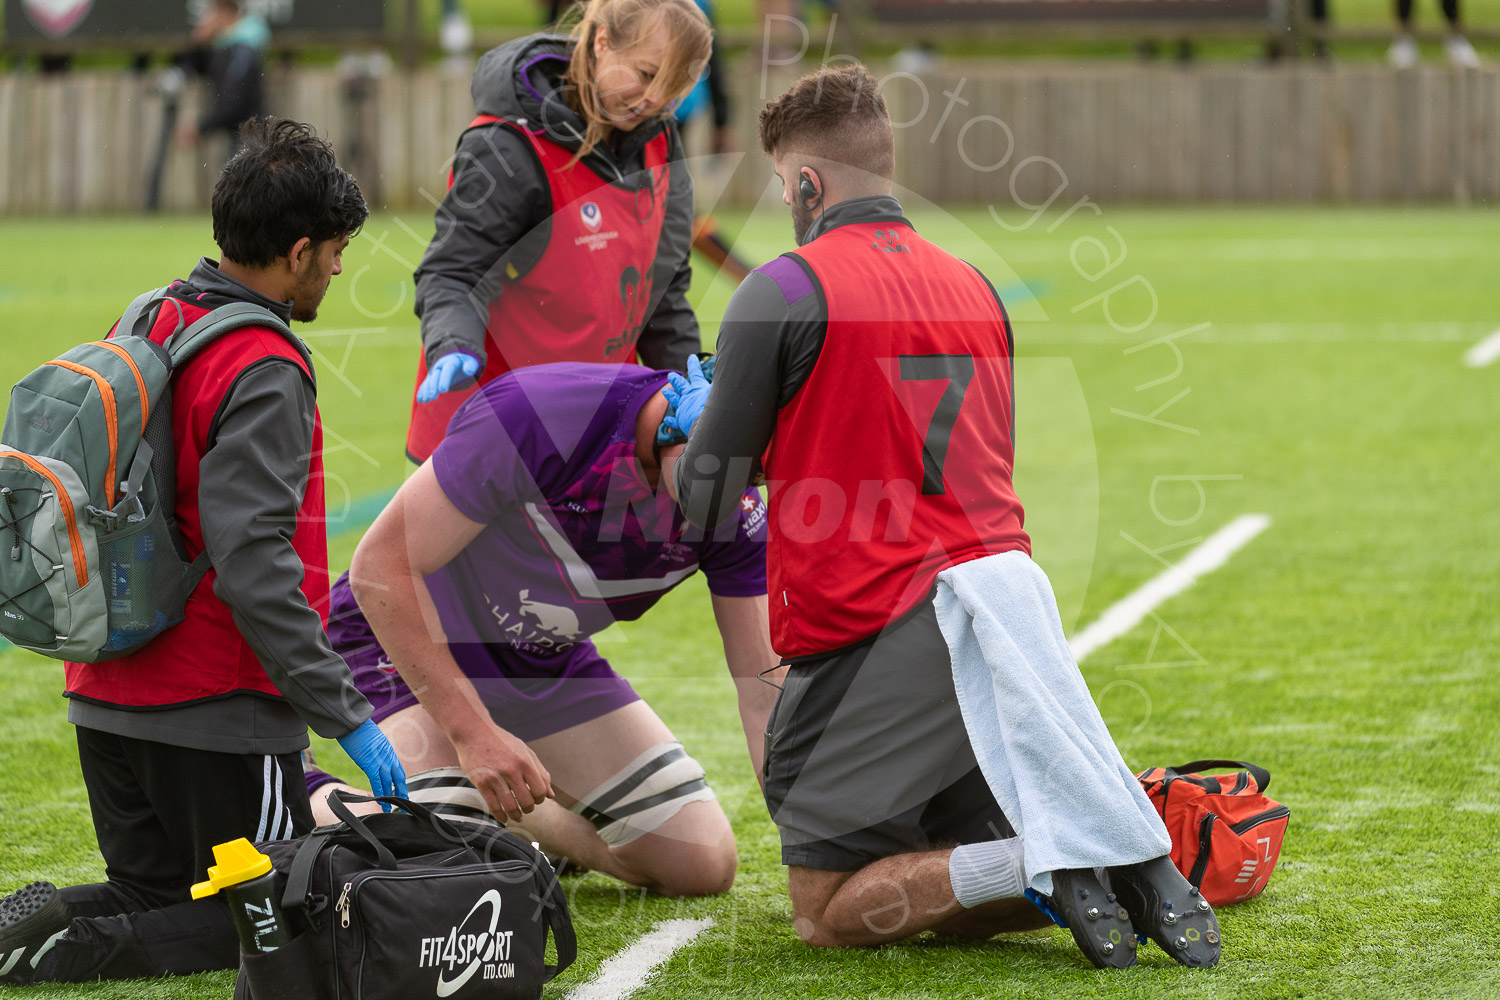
574 541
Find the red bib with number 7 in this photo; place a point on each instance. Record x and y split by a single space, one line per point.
893 461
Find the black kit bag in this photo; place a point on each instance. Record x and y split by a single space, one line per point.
405 905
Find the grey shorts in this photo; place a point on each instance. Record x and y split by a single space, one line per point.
867 755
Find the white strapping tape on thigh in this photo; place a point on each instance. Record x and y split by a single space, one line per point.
645 794
450 794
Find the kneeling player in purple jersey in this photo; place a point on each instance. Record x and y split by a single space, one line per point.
538 522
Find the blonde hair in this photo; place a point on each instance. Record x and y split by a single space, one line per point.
625 24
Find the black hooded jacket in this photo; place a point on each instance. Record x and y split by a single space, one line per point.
498 211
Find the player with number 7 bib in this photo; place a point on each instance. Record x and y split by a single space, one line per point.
931 699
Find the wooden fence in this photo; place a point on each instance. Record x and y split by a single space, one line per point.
1211 135
987 134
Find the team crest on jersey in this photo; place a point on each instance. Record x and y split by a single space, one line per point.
55 18
593 218
554 618
754 513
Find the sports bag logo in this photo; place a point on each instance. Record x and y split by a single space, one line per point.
462 953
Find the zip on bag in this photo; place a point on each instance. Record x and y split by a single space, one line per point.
1251 822
140 381
1205 848
111 420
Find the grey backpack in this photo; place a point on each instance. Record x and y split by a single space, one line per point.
92 565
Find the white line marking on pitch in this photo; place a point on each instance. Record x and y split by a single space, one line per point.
626 971
1484 352
1126 614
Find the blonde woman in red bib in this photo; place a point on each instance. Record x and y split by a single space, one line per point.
566 229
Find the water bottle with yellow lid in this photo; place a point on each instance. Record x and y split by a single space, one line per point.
248 884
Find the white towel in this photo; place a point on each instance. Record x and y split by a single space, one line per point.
1040 741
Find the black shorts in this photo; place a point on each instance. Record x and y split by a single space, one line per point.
867 755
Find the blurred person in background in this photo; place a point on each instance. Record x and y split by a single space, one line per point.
235 41
710 95
709 100
566 231
1403 53
455 37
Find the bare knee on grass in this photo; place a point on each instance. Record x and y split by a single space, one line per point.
812 890
692 854
887 900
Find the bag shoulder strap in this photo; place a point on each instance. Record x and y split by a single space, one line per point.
1261 775
299 878
563 935
214 324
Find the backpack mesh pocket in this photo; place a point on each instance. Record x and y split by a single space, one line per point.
145 583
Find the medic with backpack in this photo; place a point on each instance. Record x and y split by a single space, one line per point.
162 521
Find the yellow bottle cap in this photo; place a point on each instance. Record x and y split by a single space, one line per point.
238 861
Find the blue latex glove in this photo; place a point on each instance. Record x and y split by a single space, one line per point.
687 395
455 366
368 747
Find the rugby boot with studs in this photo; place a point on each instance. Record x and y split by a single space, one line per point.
1168 910
1100 927
31 921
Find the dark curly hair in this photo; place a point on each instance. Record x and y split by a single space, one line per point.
282 185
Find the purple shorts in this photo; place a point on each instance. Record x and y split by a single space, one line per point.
528 696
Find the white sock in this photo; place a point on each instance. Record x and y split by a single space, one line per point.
987 871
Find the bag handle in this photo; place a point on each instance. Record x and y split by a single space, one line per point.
139 307
299 878
421 812
1261 775
336 802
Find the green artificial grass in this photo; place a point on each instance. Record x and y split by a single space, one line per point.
1350 649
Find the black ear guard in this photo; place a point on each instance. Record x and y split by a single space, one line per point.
809 193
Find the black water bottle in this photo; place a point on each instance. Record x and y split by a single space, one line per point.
245 878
